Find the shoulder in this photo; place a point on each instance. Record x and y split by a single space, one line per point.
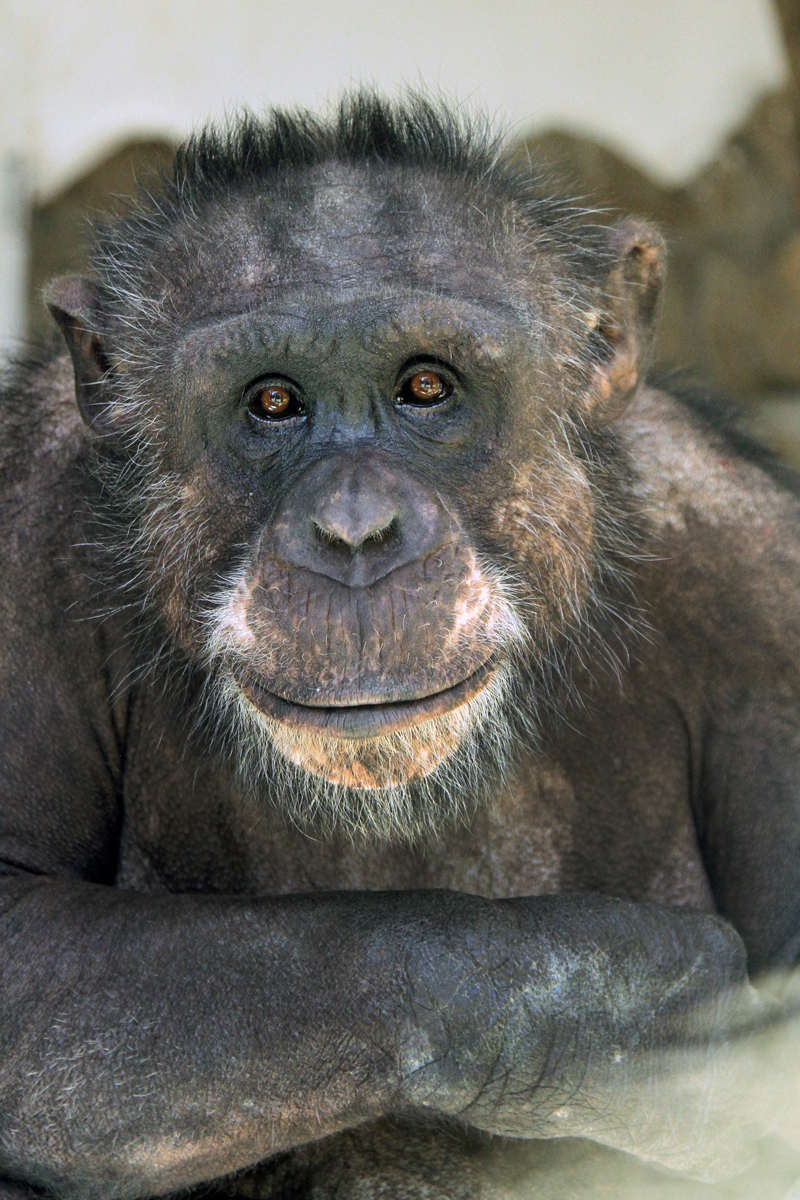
723 574
41 431
692 469
44 470
48 581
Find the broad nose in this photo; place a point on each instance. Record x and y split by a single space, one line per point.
356 518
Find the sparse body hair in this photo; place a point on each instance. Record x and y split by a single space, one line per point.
387 671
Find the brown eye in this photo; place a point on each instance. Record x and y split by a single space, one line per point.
425 388
273 402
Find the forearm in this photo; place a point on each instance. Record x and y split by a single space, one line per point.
150 1042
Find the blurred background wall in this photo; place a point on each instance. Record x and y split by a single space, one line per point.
681 110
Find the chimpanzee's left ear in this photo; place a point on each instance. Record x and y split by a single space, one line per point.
625 318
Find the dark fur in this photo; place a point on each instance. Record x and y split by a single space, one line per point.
551 938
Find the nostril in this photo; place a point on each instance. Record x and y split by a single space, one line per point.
326 537
363 539
381 537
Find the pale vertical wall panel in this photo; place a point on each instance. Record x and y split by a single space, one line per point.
14 144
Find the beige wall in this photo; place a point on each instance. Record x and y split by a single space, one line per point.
661 80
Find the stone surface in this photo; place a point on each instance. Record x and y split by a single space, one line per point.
60 228
732 303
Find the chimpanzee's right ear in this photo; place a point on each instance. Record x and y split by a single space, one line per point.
72 300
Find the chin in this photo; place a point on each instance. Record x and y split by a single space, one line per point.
401 776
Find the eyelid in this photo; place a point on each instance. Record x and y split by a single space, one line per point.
262 381
420 362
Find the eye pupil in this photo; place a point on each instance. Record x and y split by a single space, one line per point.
425 389
275 400
271 401
426 386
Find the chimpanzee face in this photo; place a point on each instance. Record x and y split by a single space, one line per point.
360 505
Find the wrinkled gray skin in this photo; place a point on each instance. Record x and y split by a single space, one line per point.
191 984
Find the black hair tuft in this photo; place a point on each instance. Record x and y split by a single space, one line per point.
364 128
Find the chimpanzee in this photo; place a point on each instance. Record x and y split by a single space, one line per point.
400 732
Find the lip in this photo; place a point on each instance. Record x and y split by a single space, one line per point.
365 720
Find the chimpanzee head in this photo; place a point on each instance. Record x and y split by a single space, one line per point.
352 381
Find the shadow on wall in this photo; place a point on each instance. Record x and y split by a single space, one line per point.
60 229
731 311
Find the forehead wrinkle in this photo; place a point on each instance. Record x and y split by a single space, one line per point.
413 323
216 337
313 306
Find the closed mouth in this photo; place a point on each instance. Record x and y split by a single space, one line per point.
365 720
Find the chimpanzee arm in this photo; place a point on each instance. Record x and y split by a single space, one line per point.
750 820
149 1042
734 617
